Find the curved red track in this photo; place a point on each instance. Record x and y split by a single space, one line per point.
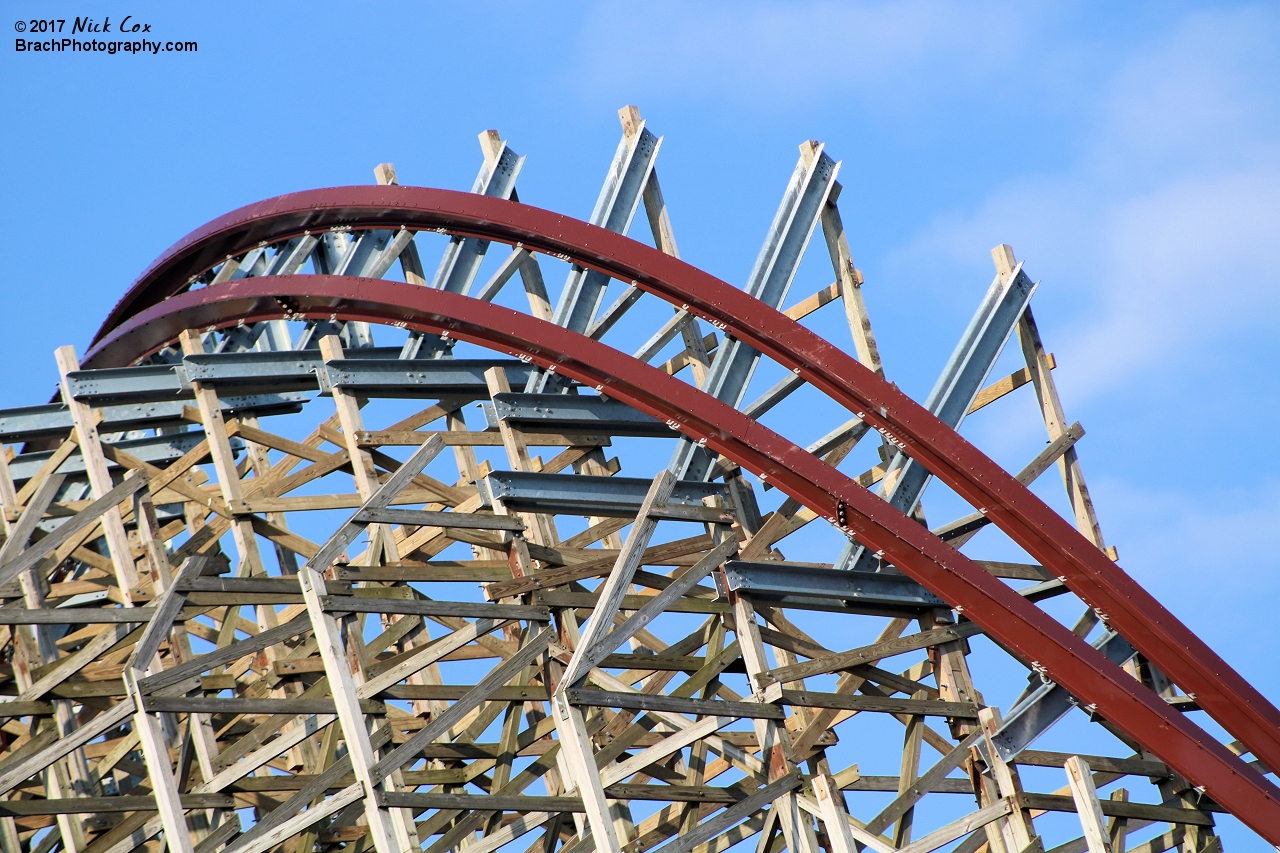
1004 615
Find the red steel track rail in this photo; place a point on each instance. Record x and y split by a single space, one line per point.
1005 616
1041 532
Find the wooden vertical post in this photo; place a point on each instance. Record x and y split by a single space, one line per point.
261 464
1080 778
831 802
8 495
8 501
1055 419
389 835
70 773
156 755
1118 827
542 531
575 747
410 261
148 725
381 543
199 726
224 463
99 478
775 742
1019 831
912 741
655 208
850 281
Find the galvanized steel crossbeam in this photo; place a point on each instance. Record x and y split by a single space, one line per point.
954 392
1002 614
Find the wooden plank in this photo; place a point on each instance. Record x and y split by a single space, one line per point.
873 652
909 795
1001 387
283 536
237 586
426 607
167 607
20 534
21 770
234 774
305 503
733 815
1016 571
99 509
686 358
1099 763
472 438
629 602
676 793
243 705
99 478
421 658
424 518
663 600
1053 414
807 306
1120 808
345 535
224 655
850 280
408 571
299 822
510 693
1080 780
50 466
277 442
958 828
24 708
613 773
592 646
924 707
64 668
91 805
893 784
653 555
1018 829
77 616
478 694
420 802
673 704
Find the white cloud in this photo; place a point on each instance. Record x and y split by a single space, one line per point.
1162 277
1157 243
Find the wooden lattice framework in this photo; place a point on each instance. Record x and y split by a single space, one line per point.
231 623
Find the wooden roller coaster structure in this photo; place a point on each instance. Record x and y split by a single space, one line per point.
264 588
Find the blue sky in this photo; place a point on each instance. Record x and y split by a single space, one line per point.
1128 152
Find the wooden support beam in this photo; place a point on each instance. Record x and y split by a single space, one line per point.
224 464
1080 779
99 478
159 769
593 646
382 547
388 835
868 654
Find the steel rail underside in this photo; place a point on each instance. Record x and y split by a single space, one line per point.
1234 703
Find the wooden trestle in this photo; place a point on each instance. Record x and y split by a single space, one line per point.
252 604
